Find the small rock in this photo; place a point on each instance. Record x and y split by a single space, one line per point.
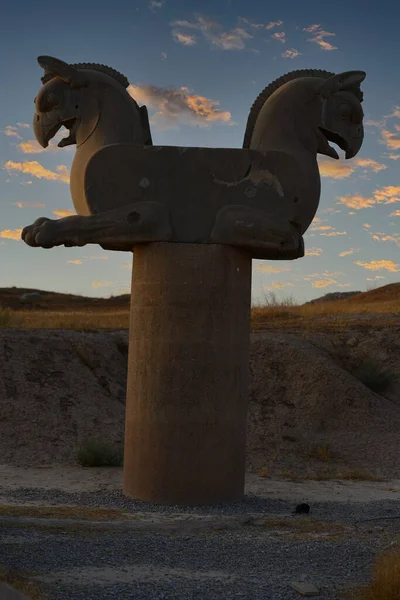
305 589
302 509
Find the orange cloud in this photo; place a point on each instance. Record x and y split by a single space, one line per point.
11 234
278 285
396 213
356 202
174 106
367 226
313 252
370 163
280 36
390 139
384 237
271 269
184 38
341 169
334 233
325 274
372 123
97 284
321 283
388 194
79 261
63 212
37 170
291 53
320 227
11 131
254 25
348 252
29 204
234 39
377 265
318 36
331 211
33 147
336 169
273 24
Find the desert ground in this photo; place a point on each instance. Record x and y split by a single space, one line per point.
323 425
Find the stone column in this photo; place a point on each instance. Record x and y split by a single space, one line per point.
187 393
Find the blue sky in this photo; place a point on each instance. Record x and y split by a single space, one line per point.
199 66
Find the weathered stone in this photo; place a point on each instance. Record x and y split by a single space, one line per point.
194 218
187 394
126 192
304 588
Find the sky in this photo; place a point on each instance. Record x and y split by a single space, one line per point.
198 66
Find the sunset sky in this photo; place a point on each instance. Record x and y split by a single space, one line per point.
198 66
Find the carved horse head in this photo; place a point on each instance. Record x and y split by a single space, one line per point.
78 96
317 107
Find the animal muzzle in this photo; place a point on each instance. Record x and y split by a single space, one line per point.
353 146
45 128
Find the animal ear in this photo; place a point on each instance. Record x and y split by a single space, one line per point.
341 81
55 66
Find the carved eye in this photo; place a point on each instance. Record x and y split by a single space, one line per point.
344 111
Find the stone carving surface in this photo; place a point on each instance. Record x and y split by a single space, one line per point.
126 192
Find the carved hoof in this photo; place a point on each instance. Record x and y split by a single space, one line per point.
37 234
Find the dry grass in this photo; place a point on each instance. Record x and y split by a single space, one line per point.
263 472
385 584
83 320
345 475
64 512
97 453
307 529
21 582
332 317
376 308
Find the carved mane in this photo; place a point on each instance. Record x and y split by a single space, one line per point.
270 89
94 67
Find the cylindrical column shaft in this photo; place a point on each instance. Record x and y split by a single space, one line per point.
187 392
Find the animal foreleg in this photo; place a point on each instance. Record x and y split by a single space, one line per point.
119 229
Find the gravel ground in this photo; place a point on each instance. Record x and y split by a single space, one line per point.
249 562
345 512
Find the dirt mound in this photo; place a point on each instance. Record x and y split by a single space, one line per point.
59 387
309 414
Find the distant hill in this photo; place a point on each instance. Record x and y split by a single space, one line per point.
24 298
333 296
21 298
385 293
